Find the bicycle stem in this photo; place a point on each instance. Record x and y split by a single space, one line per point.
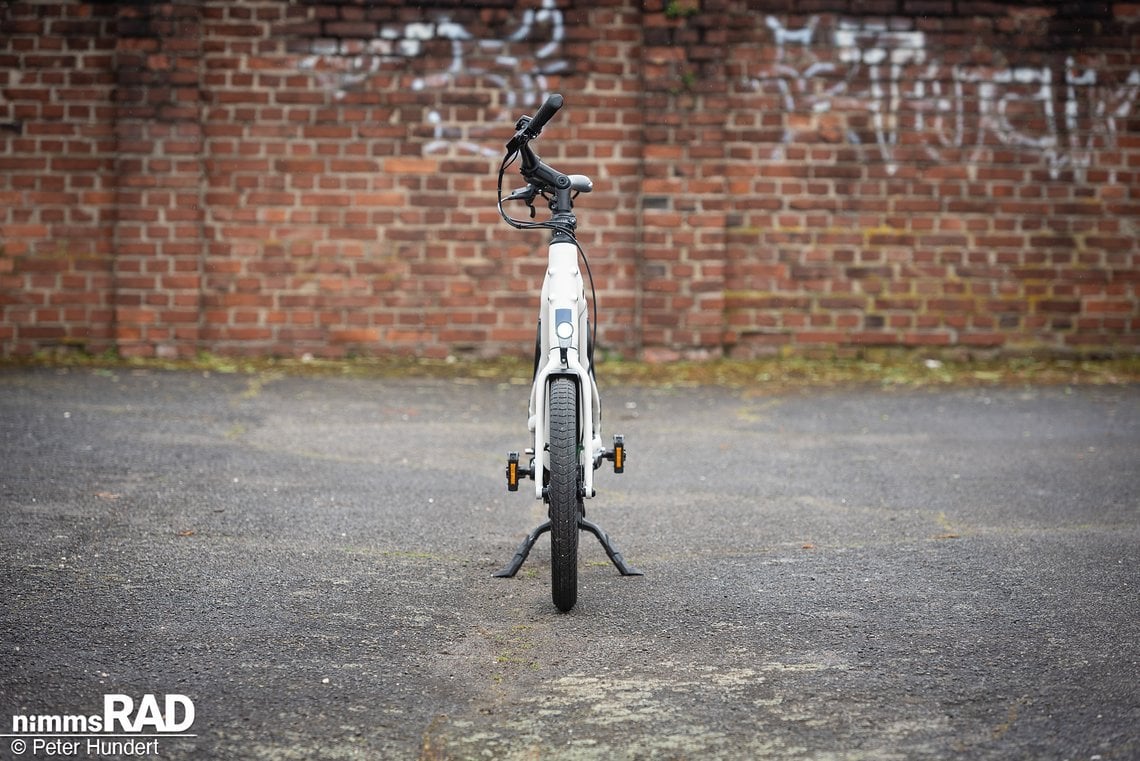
544 176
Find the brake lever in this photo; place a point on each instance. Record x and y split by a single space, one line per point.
527 195
523 194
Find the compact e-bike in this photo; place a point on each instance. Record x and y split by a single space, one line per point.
565 409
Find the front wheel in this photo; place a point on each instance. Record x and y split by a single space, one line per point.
563 492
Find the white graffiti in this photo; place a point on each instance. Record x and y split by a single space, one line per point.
516 65
868 67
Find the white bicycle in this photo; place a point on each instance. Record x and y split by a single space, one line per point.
565 409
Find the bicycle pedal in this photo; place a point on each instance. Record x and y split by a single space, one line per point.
512 471
516 472
617 454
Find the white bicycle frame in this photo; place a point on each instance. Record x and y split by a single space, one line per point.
564 351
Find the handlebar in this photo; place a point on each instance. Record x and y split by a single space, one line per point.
545 113
542 179
529 127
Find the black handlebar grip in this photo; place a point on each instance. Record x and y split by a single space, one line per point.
545 113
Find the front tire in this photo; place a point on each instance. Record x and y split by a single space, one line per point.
563 492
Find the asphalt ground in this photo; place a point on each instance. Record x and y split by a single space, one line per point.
845 573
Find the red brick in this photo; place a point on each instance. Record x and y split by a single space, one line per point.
356 335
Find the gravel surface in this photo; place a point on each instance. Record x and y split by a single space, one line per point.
829 574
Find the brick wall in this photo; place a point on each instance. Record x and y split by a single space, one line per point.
57 175
272 177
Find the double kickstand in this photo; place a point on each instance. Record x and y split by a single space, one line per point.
524 549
